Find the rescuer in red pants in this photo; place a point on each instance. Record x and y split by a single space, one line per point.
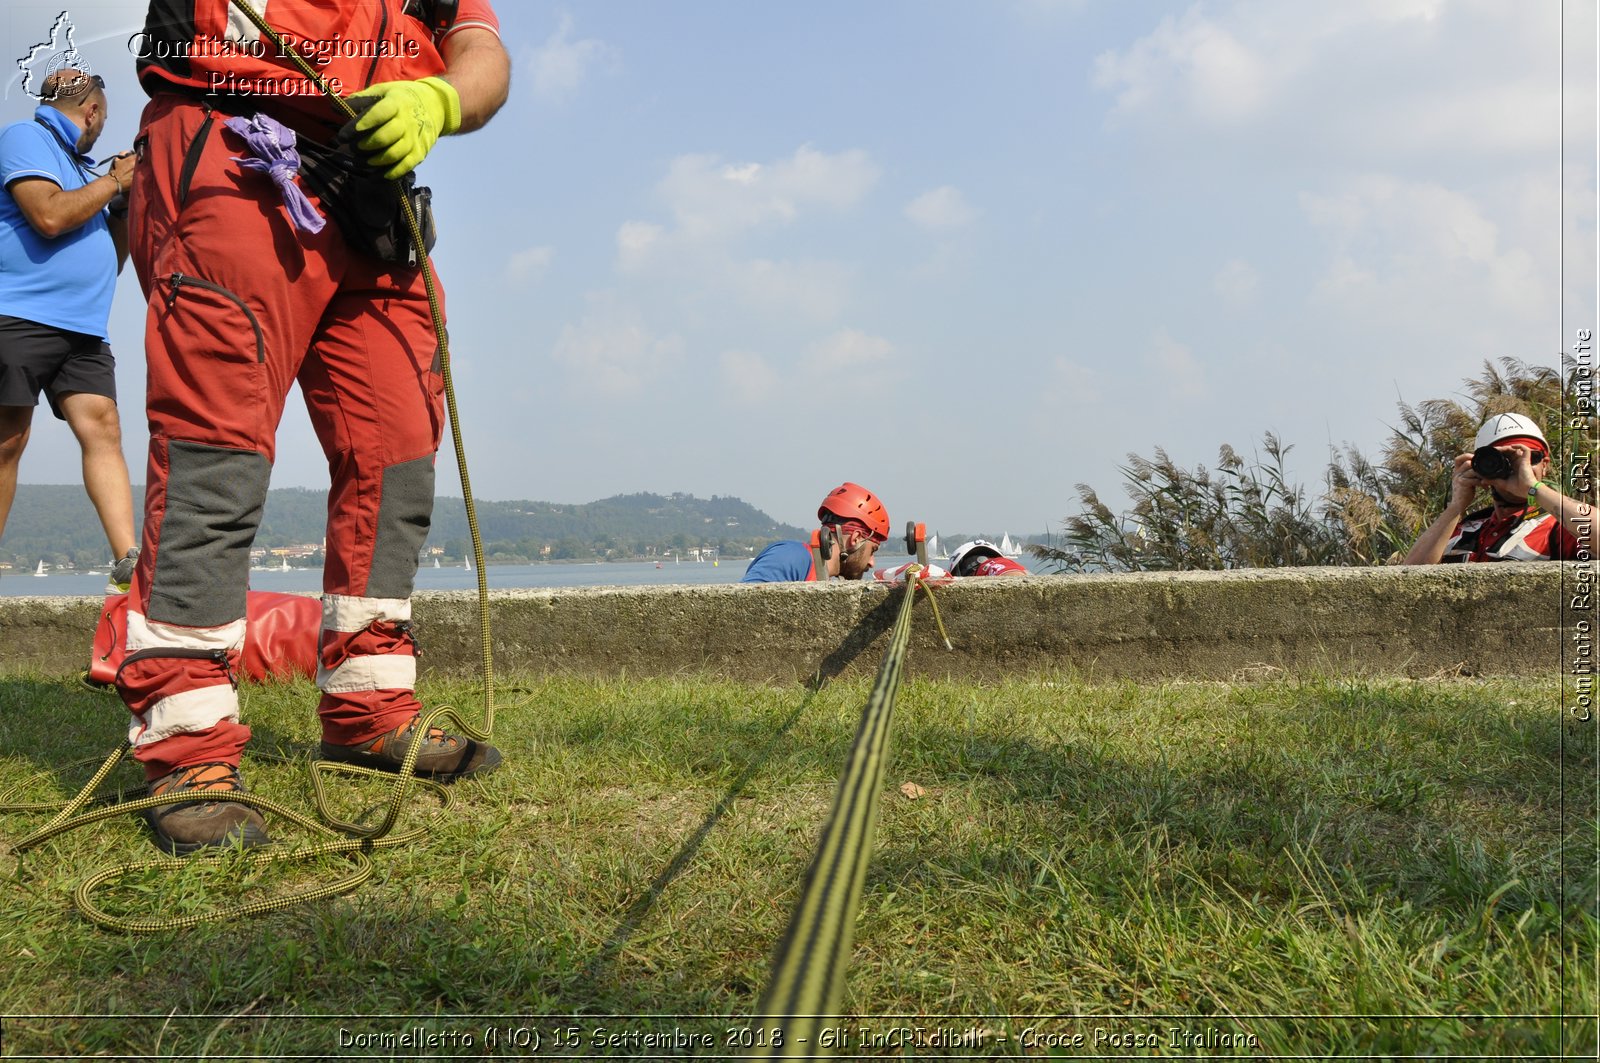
244 301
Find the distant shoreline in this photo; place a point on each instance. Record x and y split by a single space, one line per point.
8 570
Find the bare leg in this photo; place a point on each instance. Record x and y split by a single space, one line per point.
93 419
15 421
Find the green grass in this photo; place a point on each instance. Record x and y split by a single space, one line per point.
1375 868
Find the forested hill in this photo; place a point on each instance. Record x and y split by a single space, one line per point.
57 524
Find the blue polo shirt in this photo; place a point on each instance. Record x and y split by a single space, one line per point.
66 282
786 561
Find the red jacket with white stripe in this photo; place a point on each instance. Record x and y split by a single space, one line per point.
1515 535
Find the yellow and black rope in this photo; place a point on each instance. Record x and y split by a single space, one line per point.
353 840
808 969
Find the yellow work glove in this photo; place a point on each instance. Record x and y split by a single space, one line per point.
404 121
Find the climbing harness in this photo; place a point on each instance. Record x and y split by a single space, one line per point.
807 981
353 839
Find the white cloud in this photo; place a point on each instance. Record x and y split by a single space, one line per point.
1236 282
941 208
1369 81
1069 383
1417 248
635 241
1577 205
1175 368
1345 281
1508 118
748 378
560 65
813 291
1431 128
530 265
610 351
1193 59
847 361
712 200
848 352
719 209
943 264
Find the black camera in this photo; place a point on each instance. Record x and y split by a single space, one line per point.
1491 463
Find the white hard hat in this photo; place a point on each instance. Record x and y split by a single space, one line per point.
1508 426
983 547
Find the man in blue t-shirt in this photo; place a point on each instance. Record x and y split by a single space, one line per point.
63 239
854 523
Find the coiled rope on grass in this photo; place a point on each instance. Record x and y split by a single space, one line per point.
354 840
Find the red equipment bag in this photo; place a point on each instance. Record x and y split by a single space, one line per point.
280 641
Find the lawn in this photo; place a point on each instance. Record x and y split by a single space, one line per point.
1286 868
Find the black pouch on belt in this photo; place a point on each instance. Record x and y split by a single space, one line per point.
365 204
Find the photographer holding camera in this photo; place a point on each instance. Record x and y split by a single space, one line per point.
1530 520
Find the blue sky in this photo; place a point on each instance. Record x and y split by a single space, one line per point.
969 254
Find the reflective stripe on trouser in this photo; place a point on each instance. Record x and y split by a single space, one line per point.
196 694
241 306
366 667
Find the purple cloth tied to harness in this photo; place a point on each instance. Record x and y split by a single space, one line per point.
273 146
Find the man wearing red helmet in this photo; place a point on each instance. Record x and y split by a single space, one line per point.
1531 520
854 524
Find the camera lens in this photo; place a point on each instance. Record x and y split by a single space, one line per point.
1491 464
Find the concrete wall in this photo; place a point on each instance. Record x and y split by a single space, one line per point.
1455 619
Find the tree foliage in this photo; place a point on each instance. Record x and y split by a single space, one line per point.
56 523
1246 514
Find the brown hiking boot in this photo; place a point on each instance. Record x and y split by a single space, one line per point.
188 826
444 757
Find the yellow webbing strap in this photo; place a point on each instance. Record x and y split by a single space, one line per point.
807 981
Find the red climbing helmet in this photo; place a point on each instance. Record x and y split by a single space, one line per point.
851 501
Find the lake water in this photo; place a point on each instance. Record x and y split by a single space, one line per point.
14 584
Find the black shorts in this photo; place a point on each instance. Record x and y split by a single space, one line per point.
35 358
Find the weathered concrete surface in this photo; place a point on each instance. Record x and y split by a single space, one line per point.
48 635
1501 619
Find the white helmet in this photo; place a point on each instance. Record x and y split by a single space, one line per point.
983 548
1508 426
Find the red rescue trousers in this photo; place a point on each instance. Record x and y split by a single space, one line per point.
241 306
